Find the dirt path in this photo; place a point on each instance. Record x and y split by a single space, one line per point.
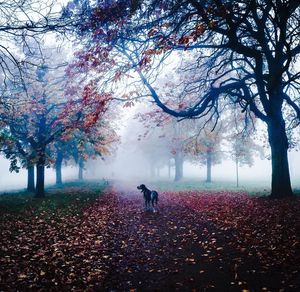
182 248
196 242
161 251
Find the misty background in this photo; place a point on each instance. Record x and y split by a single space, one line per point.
130 166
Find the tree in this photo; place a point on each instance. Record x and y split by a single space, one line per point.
247 51
23 25
204 145
60 148
163 139
42 113
243 149
27 116
80 145
242 144
15 150
155 148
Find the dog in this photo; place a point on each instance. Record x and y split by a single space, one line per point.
149 196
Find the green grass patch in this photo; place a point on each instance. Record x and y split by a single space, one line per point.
202 185
253 188
68 198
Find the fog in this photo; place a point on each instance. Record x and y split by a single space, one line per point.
11 181
129 166
132 166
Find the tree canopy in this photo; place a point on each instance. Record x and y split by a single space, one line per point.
247 51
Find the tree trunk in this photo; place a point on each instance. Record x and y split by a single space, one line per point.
41 150
281 183
58 165
80 172
30 179
178 166
158 171
208 166
40 179
169 169
58 173
152 170
237 171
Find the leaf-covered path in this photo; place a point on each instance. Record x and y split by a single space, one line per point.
197 241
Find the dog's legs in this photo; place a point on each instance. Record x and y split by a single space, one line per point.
150 208
154 203
147 205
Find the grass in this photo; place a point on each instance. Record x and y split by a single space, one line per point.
253 188
62 197
213 186
73 196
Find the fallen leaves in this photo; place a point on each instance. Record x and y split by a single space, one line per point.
22 276
197 240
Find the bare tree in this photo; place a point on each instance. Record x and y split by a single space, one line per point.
23 25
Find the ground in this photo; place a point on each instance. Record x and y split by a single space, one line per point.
196 241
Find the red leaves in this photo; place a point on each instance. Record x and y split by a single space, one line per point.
145 61
87 110
184 40
152 32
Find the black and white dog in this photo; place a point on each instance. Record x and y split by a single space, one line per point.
149 196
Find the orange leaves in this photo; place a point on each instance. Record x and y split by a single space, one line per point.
200 28
90 120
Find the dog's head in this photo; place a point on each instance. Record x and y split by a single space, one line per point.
141 187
